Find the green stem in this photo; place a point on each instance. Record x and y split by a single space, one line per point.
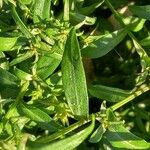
142 89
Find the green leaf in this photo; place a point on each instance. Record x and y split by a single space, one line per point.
60 133
145 62
141 11
145 41
19 22
22 57
104 44
8 80
47 63
48 66
90 9
76 18
134 24
68 143
25 2
22 75
120 137
108 93
41 10
97 135
34 113
7 43
73 77
39 116
8 84
79 3
110 115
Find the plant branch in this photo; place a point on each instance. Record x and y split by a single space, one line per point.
142 89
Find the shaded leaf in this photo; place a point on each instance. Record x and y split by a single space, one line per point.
3 61
68 143
60 133
73 77
141 11
21 58
120 137
145 41
145 62
90 9
104 44
9 84
108 93
19 22
76 18
8 80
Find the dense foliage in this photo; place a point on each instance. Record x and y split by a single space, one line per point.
74 74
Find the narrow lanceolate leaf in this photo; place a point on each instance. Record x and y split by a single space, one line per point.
141 11
40 117
134 24
97 135
68 143
34 113
47 65
76 18
120 137
60 133
108 93
73 77
48 62
41 10
145 41
19 22
22 75
8 84
7 43
7 80
104 44
22 57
